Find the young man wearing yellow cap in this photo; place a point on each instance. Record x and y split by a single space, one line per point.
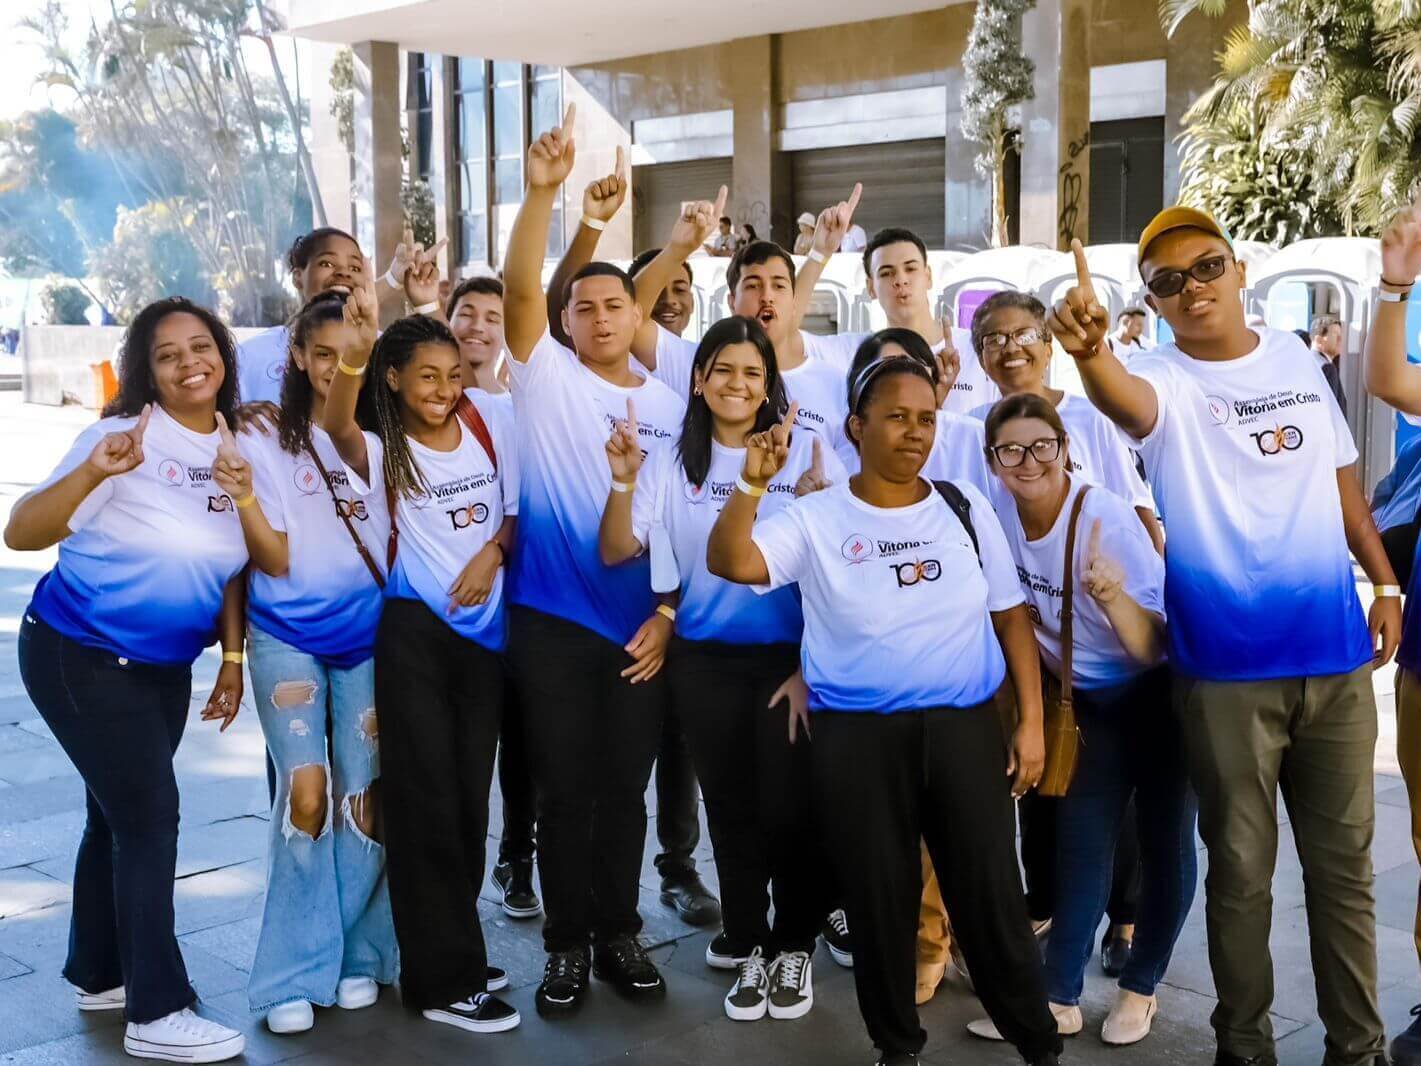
1392 378
1251 464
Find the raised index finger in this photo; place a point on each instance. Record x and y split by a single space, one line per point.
854 198
1093 547
569 117
631 416
142 427
1082 268
720 199
621 170
224 432
790 416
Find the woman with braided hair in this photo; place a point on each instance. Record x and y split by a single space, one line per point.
449 486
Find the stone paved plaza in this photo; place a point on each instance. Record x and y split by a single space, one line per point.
221 862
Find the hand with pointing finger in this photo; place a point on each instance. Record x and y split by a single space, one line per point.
422 279
1104 578
118 453
405 253
949 365
833 223
551 156
697 220
362 311
1078 320
1401 246
232 473
624 448
603 198
813 479
767 452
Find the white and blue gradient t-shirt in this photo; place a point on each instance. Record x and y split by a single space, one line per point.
1099 452
958 453
818 389
896 604
327 604
261 365
1243 460
972 388
564 414
712 608
143 571
443 529
1098 659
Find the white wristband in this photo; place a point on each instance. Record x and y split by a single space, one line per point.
390 279
1394 297
747 488
816 255
623 486
1381 592
425 309
593 223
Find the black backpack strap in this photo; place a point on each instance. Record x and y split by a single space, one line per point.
962 507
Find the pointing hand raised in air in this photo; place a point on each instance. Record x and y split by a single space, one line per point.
697 220
362 311
1103 576
834 221
766 453
232 473
949 363
813 479
603 198
118 453
551 156
624 448
1078 320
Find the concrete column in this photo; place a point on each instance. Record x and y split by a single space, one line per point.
1055 156
379 162
329 157
1190 66
443 173
760 175
968 194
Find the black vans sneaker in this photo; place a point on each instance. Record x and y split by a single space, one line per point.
722 954
480 1013
624 965
496 979
837 939
750 997
515 880
564 982
791 985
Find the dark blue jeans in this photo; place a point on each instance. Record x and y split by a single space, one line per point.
119 722
1130 747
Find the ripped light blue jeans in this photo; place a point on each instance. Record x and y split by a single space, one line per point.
327 913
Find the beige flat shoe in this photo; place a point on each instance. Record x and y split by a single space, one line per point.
1129 1020
1068 1023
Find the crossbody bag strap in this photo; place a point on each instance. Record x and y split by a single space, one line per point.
1067 587
473 418
349 526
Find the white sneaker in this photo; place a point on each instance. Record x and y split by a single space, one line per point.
1068 1023
183 1037
293 1016
113 999
353 993
1129 1020
748 1000
791 985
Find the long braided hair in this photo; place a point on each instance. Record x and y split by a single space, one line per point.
396 347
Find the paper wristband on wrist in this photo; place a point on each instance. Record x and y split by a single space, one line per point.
747 488
623 486
1394 297
816 255
247 500
1386 591
346 368
233 657
593 223
426 309
666 611
390 279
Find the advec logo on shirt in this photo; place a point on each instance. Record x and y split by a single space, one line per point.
858 548
696 493
171 472
1218 410
308 481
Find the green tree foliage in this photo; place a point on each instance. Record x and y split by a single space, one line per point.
1329 94
64 303
152 255
997 77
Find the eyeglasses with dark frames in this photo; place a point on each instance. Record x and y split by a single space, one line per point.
1046 450
1169 283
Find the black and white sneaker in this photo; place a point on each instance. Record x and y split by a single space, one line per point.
747 1001
791 985
837 939
515 880
497 979
564 984
721 954
625 965
480 1013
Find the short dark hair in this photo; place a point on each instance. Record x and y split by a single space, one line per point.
1022 405
600 270
892 235
1322 323
135 377
304 246
642 261
999 301
753 254
1131 312
725 220
481 283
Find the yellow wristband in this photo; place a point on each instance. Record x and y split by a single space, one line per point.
247 500
747 488
623 486
233 657
666 611
346 368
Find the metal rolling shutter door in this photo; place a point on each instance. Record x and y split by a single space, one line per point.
903 184
659 189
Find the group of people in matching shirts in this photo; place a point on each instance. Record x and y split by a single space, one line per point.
841 562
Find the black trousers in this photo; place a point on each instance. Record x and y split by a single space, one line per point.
882 782
678 821
592 737
515 780
757 791
1125 880
120 723
441 701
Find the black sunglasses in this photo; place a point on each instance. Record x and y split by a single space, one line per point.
1171 282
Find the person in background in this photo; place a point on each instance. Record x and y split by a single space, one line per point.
921 574
723 243
1252 465
1129 336
855 239
1064 532
1325 340
748 234
149 573
1393 378
804 237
